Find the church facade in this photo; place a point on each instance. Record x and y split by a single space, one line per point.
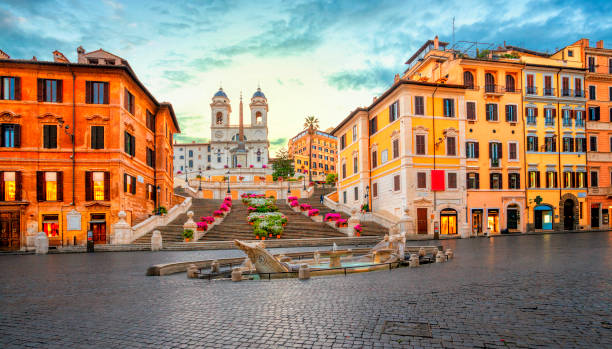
231 145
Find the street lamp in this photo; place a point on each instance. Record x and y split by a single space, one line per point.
288 189
158 198
366 195
228 182
304 178
200 185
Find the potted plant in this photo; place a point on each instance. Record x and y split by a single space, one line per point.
365 208
358 229
341 223
160 211
202 226
187 235
250 166
313 212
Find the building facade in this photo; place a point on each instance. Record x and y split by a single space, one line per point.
79 143
189 158
316 153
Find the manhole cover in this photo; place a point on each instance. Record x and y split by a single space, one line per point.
401 328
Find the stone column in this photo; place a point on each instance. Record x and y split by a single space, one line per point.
122 231
190 224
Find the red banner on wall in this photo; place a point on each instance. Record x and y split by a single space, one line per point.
437 180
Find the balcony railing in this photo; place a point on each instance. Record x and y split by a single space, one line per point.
579 93
567 122
494 89
549 91
531 90
549 122
531 120
572 93
579 123
512 89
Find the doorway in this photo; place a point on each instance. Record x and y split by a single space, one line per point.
493 221
9 230
97 225
543 217
421 220
512 218
448 221
568 214
595 216
477 222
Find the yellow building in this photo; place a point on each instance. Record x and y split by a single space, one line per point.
315 152
403 156
494 131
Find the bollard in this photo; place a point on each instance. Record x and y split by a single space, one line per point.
41 243
192 272
214 267
413 262
440 258
156 241
304 272
422 252
236 275
449 254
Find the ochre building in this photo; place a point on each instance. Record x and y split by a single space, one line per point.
315 152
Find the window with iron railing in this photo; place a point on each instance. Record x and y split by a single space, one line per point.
567 119
579 118
549 117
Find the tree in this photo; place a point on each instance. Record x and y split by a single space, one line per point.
283 166
311 123
331 178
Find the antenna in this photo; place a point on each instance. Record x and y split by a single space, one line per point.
453 32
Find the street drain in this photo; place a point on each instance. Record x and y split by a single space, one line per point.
401 328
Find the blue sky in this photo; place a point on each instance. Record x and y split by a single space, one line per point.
322 58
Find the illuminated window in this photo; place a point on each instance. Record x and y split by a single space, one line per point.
50 225
51 186
98 185
10 186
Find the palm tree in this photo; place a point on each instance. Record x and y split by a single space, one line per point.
311 123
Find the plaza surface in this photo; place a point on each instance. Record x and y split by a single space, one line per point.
521 291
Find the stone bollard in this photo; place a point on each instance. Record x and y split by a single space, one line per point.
42 243
304 272
413 261
214 267
422 252
192 272
236 275
449 254
316 256
440 257
156 241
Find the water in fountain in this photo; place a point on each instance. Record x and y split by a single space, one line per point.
335 247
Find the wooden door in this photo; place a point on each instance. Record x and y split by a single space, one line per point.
9 230
99 232
421 220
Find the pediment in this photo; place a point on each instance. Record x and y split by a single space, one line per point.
421 128
422 201
7 116
97 118
50 117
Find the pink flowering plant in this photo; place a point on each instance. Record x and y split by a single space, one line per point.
357 228
293 203
207 219
313 212
341 223
291 198
224 207
332 217
202 225
218 213
305 207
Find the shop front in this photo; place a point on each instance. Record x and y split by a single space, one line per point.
543 217
493 220
448 221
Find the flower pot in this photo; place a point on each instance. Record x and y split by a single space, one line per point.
187 240
263 237
278 236
270 235
257 237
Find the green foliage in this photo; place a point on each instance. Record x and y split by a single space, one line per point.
510 55
283 166
365 208
187 234
483 54
331 178
160 210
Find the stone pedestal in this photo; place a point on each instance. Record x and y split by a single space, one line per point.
122 231
465 230
318 218
304 272
214 267
440 257
236 275
32 227
449 254
414 260
42 243
192 272
156 241
190 224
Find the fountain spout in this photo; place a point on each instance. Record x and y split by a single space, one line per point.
335 247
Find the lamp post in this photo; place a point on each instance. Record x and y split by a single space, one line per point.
158 198
304 178
228 182
366 196
200 184
288 189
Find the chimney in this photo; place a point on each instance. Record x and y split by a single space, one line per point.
436 43
374 99
80 54
34 58
59 57
4 55
600 44
396 78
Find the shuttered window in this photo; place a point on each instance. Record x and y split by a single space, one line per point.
395 148
10 135
151 157
49 186
10 88
129 102
468 80
373 125
420 144
419 105
97 137
130 144
150 121
421 180
374 189
97 186
393 111
10 186
396 183
374 159
452 180
470 110
49 136
50 90
473 180
129 183
449 107
451 147
96 92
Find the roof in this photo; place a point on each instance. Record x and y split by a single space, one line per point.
524 50
258 93
220 93
126 68
388 92
422 48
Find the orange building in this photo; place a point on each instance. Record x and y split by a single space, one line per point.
320 159
79 142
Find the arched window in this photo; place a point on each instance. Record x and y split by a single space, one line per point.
489 83
219 119
258 118
509 83
468 80
258 155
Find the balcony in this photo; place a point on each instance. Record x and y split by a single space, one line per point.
549 122
494 90
600 191
548 91
512 89
531 90
579 123
566 92
579 94
567 122
595 156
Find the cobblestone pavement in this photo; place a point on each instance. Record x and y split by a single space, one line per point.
527 291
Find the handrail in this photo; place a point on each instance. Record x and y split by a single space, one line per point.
154 221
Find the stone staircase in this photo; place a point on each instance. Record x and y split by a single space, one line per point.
173 231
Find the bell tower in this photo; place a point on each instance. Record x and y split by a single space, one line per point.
220 109
259 109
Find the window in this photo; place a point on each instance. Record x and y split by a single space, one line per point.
594 179
10 135
342 141
611 146
151 157
594 114
581 145
581 179
531 115
568 144
449 107
421 180
50 225
191 153
491 110
128 102
473 181
567 118
531 89
534 179
343 170
374 189
355 164
354 133
471 150
548 90
150 192
495 153
470 110
150 121
514 181
129 184
591 64
395 145
396 183
393 111
592 94
512 151
592 143
10 88
510 86
451 149
610 66
10 186
130 144
511 113
565 91
374 159
578 92
495 181
97 137
49 186
532 143
452 180
579 118
570 53
489 82
344 197
219 118
468 80
569 179
610 94
355 193
96 92
549 116
420 144
551 179
550 144
373 126
49 136
419 105
384 156
50 90
97 186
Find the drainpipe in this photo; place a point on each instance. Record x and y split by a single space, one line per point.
73 134
524 142
559 149
370 199
433 121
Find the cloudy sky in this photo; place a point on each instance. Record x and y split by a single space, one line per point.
310 57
